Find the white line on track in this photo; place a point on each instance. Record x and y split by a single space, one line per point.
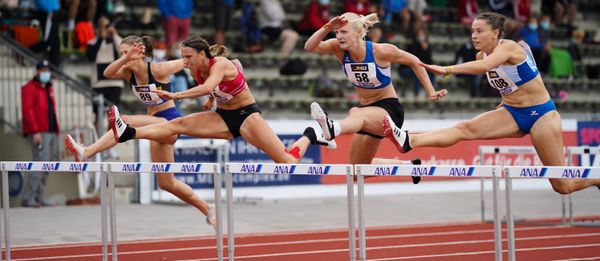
334 250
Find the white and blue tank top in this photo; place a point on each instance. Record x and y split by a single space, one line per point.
508 78
366 74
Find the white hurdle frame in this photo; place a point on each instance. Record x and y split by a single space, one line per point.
501 150
429 170
584 152
291 169
107 202
538 172
30 166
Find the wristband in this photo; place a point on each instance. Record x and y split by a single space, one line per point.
326 26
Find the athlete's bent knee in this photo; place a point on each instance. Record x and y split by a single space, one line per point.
166 185
467 130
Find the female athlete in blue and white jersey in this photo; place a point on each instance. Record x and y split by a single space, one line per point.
526 106
146 78
368 66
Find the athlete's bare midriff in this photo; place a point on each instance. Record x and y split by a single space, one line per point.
241 100
161 107
368 96
531 93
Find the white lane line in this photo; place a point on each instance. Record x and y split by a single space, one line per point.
427 234
321 251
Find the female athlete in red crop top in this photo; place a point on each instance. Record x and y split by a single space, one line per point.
145 77
237 113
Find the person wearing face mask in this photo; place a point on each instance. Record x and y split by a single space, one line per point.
40 126
532 35
102 51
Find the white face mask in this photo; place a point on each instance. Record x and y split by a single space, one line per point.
44 77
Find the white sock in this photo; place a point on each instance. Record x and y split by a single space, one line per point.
337 129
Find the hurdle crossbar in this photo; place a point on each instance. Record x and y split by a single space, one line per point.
427 170
538 172
291 169
107 189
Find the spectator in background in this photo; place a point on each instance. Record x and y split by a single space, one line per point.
45 13
508 9
317 14
81 13
395 11
271 18
416 8
467 11
222 18
467 53
361 7
40 125
522 10
102 51
420 48
557 10
176 19
537 37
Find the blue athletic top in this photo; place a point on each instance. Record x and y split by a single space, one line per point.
366 74
508 78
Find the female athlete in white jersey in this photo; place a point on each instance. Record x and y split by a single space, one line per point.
145 78
526 106
368 66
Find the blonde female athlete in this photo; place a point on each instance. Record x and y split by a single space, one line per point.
146 77
526 106
368 66
237 113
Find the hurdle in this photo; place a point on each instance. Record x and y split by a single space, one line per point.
73 167
536 172
496 151
291 169
428 170
585 153
107 204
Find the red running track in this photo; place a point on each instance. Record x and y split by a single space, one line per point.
432 242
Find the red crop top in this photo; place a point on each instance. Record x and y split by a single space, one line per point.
226 90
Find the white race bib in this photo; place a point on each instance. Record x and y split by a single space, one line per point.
363 75
221 96
146 95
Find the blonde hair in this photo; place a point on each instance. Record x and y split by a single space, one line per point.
361 23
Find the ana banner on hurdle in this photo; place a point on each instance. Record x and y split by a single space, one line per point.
457 171
29 166
538 172
290 169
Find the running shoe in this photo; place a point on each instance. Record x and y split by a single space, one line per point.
211 217
75 148
321 117
399 137
120 129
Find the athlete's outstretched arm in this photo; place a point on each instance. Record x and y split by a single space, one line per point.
217 71
501 54
115 70
402 57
